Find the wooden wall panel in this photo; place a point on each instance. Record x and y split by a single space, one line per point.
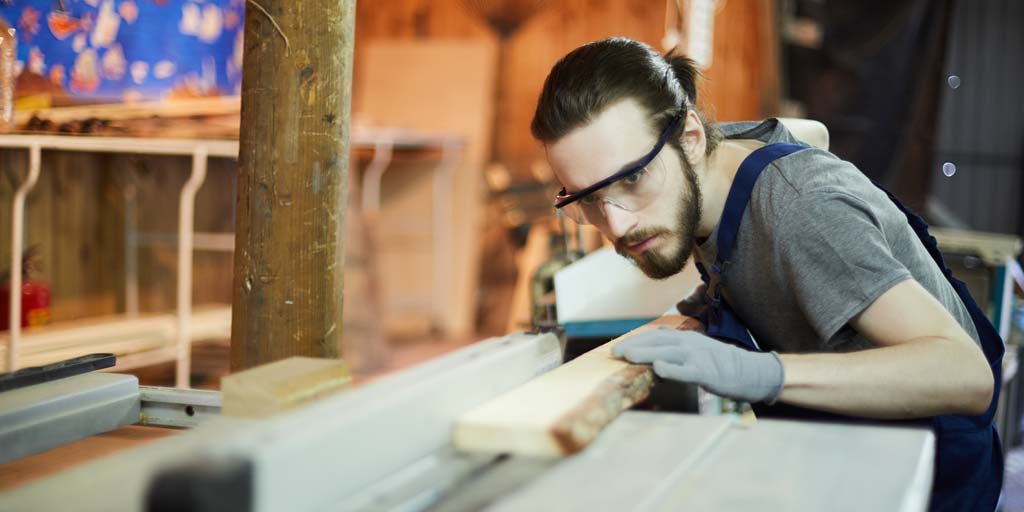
560 27
70 219
159 181
430 85
742 80
396 19
75 215
529 53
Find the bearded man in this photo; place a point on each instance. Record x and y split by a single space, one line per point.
824 297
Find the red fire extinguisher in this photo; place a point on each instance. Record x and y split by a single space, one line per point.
35 295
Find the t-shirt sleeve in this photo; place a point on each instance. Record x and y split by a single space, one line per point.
833 251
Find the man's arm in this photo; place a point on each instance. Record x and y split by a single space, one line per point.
926 364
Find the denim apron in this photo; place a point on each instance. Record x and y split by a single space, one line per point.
968 459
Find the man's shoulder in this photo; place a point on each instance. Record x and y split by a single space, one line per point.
807 171
805 177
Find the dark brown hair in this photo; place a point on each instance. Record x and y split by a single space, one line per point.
592 77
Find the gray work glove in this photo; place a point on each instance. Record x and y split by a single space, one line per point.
720 368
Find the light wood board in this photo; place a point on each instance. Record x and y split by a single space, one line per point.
562 411
120 335
213 106
275 387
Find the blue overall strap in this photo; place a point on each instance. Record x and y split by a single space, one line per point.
740 192
722 322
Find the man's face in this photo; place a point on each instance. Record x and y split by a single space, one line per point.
659 237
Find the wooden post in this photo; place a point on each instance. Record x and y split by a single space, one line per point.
292 180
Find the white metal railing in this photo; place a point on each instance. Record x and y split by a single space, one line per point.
381 140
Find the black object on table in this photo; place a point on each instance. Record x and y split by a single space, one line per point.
53 371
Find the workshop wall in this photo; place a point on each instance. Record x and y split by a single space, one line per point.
76 213
75 219
740 81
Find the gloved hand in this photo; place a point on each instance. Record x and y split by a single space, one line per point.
720 368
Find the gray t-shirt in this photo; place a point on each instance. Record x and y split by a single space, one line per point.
818 244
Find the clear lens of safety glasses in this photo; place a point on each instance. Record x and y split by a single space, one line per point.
632 192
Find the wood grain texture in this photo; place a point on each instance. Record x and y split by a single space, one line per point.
72 217
119 111
120 335
275 387
562 411
292 181
557 28
742 82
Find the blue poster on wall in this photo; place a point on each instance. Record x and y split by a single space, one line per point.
129 50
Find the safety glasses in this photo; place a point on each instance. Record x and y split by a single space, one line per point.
631 189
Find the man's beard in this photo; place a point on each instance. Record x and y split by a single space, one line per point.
659 265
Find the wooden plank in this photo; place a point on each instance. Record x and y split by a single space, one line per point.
561 412
292 181
225 105
276 387
146 337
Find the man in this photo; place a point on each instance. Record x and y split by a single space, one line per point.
822 293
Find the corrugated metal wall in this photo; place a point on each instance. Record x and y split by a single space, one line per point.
981 128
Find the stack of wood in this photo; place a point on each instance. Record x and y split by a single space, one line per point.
207 118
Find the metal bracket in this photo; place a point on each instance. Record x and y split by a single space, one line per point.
180 408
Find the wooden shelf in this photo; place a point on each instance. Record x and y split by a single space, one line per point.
140 341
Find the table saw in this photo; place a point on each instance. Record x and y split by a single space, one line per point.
386 445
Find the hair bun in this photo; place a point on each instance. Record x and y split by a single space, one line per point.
686 73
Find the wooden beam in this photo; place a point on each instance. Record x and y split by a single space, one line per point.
562 411
292 181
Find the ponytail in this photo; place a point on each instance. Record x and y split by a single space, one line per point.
686 72
687 75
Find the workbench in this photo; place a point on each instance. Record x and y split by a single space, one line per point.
387 445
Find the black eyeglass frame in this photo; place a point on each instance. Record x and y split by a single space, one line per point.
628 171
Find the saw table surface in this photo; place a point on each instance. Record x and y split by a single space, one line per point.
648 461
387 445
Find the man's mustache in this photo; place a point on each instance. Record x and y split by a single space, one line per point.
638 236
